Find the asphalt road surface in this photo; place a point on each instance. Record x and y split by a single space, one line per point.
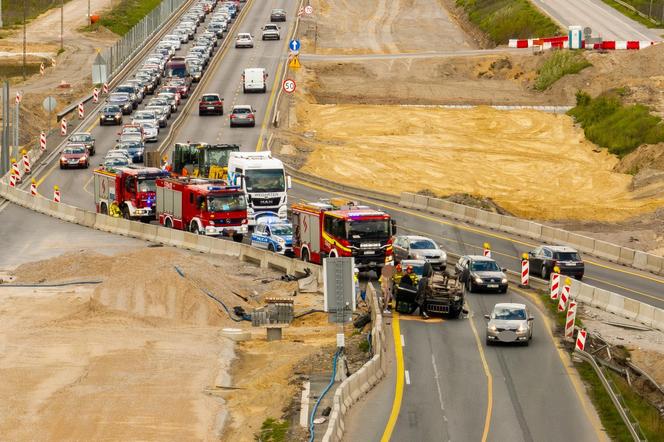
604 21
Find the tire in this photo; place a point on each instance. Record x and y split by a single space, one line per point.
193 228
238 237
469 286
578 277
103 209
253 124
222 111
264 89
231 124
101 122
125 212
454 314
244 89
270 248
489 342
168 223
503 291
305 255
544 273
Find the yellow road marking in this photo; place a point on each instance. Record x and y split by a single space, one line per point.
266 117
566 361
50 171
398 390
472 229
419 319
489 383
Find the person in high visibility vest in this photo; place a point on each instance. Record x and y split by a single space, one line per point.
386 274
398 274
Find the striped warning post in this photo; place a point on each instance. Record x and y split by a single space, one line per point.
569 322
15 170
18 98
12 180
581 340
26 163
564 295
95 95
33 187
81 111
105 88
41 69
525 271
555 285
42 140
63 127
486 250
56 194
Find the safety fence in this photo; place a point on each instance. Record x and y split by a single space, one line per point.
601 249
362 381
158 234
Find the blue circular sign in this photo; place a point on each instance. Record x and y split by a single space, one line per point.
294 45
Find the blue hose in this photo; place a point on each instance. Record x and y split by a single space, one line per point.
313 412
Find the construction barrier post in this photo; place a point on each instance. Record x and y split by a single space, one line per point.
42 140
581 340
33 187
555 283
26 162
525 271
569 322
487 250
56 194
95 95
564 295
81 111
63 127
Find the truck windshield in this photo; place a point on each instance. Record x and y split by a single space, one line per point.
218 157
264 180
147 185
226 203
368 229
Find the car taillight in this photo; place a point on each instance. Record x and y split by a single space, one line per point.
251 116
555 263
245 221
233 115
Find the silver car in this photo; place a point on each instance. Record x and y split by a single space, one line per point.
509 322
419 247
244 40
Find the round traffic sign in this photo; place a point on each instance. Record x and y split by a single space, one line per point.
294 45
289 86
309 9
49 104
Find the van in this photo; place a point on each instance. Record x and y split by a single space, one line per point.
253 79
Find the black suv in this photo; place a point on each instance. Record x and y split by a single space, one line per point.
544 258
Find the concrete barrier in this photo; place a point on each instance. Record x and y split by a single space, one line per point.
658 319
521 226
508 224
646 314
582 243
534 230
407 200
561 236
585 293
607 250
601 299
630 308
656 263
420 202
626 256
548 234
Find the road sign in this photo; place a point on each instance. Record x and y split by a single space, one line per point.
309 9
294 63
49 104
99 70
289 86
294 45
339 288
300 12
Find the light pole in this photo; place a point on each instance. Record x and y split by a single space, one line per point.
90 16
25 6
62 25
650 10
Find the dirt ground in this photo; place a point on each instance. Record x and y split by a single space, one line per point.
380 26
139 356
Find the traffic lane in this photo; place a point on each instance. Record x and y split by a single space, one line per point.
227 81
28 236
604 21
531 383
447 396
461 238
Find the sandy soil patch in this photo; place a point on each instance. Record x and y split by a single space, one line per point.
532 156
381 26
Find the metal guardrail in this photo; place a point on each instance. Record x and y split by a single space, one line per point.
627 417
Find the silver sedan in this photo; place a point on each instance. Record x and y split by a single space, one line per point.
509 323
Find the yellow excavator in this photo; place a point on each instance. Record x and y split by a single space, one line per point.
202 160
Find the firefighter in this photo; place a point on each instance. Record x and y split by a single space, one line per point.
398 274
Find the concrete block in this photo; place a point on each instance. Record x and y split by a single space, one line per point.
631 308
521 226
548 234
584 293
221 247
407 199
601 299
581 243
646 314
150 232
508 224
355 387
655 264
626 256
457 211
607 250
372 365
534 230
123 226
616 304
420 202
364 378
88 219
471 214
561 236
640 261
439 206
658 319
177 238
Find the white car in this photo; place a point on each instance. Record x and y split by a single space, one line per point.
244 40
271 32
151 131
177 41
118 153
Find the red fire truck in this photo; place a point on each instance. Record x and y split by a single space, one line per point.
207 207
127 191
329 229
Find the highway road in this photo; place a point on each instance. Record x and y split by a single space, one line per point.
604 21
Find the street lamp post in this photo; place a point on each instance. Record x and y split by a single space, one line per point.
62 25
25 6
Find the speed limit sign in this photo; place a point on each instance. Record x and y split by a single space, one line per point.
308 9
289 86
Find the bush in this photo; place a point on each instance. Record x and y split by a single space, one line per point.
560 63
505 19
126 14
608 123
272 430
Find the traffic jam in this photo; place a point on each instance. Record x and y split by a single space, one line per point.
218 190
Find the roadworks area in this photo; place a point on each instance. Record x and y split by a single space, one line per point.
141 355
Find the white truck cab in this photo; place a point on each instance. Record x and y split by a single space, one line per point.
254 80
263 180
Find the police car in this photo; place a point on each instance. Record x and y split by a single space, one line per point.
273 234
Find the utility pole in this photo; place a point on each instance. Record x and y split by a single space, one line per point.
4 148
62 25
90 16
25 6
0 13
650 10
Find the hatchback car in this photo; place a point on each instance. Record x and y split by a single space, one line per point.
543 259
243 115
509 322
480 273
271 32
244 40
85 139
74 155
135 149
278 15
419 247
110 114
211 104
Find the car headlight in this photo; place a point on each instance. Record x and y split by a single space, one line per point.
523 328
457 298
492 328
504 280
478 280
63 159
443 256
417 256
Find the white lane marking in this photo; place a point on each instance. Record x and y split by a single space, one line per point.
407 377
436 377
403 343
304 408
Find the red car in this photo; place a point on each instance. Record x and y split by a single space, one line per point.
74 155
173 90
181 86
211 104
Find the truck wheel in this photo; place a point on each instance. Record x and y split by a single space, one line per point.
125 212
238 237
469 286
454 314
270 248
305 255
194 229
168 223
103 209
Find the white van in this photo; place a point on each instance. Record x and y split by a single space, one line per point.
254 80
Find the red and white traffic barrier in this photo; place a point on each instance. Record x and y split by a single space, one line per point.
41 69
620 45
564 295
105 88
33 188
12 180
555 285
569 322
63 127
26 164
18 98
42 140
15 170
581 340
95 95
486 250
81 111
525 272
56 194
563 42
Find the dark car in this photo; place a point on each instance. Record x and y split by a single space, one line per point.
211 104
135 149
74 155
84 138
123 101
110 114
278 15
135 95
480 273
243 115
543 259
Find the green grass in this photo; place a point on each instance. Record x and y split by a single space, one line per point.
552 307
644 7
646 415
12 10
559 64
621 129
501 20
125 15
16 70
272 430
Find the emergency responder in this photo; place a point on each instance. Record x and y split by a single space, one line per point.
423 289
398 274
386 274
